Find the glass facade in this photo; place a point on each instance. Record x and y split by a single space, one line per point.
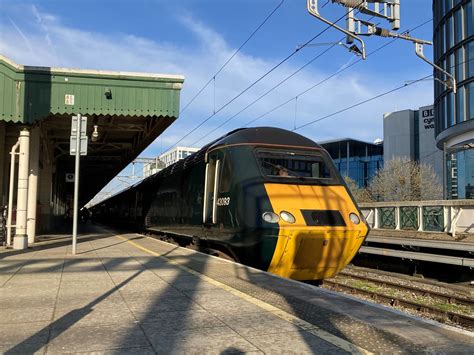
453 39
358 160
454 51
461 174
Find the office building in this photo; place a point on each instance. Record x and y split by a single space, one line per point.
356 159
409 134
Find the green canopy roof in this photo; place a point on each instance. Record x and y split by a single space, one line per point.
33 93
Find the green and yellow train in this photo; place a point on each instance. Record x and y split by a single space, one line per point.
265 197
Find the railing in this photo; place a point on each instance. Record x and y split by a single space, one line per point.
447 216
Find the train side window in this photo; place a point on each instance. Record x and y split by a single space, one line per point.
226 175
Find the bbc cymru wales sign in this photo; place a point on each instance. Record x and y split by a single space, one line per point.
428 118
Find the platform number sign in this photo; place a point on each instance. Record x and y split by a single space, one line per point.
69 100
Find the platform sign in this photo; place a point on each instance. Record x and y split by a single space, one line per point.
82 145
75 127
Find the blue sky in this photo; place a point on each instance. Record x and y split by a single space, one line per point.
194 38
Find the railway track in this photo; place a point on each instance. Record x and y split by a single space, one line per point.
449 298
430 303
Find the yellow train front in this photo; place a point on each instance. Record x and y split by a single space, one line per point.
274 200
326 233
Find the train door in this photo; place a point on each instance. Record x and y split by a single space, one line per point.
210 190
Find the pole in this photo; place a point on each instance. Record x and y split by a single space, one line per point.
76 184
10 193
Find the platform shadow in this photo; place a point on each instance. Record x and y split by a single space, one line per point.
166 327
34 343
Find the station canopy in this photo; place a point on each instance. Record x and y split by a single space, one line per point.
130 110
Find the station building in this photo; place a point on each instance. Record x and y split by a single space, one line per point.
166 159
357 159
126 112
453 37
177 153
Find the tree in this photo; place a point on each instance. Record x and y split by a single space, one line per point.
404 180
360 194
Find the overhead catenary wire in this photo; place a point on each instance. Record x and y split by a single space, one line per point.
333 44
265 94
374 97
305 91
213 78
330 77
288 57
362 102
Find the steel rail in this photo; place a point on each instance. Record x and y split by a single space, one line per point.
454 317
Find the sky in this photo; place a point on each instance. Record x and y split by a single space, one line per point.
195 37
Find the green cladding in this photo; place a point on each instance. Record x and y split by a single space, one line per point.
29 94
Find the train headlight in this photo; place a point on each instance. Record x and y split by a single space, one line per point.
287 217
354 218
270 217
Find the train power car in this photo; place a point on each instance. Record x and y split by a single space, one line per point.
266 197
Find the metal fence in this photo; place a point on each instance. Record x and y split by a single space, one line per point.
447 216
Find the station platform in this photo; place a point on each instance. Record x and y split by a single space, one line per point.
128 293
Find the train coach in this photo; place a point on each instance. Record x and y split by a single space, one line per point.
265 197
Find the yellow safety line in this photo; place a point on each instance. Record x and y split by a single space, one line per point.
311 328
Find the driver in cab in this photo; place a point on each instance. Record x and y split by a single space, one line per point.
283 171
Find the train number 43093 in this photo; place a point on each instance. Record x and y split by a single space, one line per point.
223 201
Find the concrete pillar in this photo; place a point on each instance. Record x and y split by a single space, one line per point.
420 218
376 218
397 218
33 185
20 240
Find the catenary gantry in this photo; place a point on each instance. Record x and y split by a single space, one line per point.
36 104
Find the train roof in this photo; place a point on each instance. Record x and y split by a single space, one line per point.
263 135
253 135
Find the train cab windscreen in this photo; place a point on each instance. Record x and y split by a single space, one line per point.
302 166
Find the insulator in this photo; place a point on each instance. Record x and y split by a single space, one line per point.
382 32
356 4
